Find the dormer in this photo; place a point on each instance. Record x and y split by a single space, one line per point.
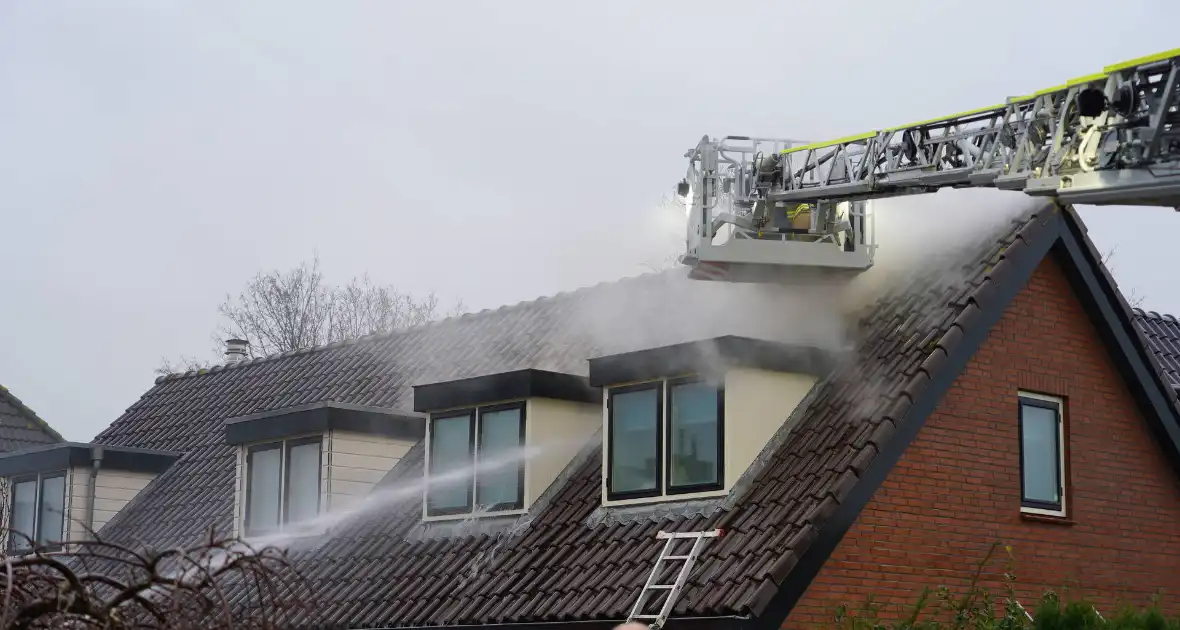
298 463
495 443
686 421
58 493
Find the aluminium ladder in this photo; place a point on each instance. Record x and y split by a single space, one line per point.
652 587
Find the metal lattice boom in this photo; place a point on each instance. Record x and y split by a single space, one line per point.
1110 138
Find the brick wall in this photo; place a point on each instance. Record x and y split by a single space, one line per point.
957 488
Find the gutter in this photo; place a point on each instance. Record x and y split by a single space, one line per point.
95 464
731 622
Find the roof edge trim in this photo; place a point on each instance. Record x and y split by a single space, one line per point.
525 383
1134 360
320 418
72 454
831 532
709 355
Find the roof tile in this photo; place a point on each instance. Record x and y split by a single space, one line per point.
557 566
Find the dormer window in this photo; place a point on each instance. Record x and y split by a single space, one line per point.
283 484
686 421
475 460
297 463
684 436
38 511
57 494
495 443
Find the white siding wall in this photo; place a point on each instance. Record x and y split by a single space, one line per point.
559 429
757 403
113 489
353 462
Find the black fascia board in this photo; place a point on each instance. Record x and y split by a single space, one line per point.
321 417
518 384
707 357
63 455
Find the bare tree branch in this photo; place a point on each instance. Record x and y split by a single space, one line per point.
219 584
1133 298
281 311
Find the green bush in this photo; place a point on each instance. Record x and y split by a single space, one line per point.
977 609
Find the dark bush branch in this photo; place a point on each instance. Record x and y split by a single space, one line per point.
101 584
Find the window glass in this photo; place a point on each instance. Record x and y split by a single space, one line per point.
53 504
693 435
634 441
24 513
450 463
303 482
264 476
499 440
1040 458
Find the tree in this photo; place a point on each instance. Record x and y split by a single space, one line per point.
1133 298
671 212
279 311
97 584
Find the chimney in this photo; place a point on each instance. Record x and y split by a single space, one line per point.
236 350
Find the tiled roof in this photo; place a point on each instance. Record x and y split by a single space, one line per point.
20 427
569 559
1163 336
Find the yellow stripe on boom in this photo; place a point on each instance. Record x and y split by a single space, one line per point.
830 143
1082 80
1131 63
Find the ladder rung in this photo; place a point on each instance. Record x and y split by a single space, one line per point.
645 616
663 586
676 557
713 533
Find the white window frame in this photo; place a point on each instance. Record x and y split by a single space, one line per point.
284 445
38 480
1062 451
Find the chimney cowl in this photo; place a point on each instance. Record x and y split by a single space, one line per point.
236 350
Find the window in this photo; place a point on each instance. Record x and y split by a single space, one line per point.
38 511
656 448
475 460
282 484
695 441
1042 455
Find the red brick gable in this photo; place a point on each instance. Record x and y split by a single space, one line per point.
956 489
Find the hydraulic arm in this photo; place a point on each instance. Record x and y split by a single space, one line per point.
1110 138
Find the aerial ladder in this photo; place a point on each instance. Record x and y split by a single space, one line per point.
762 208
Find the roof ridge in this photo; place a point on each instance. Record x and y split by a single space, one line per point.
372 337
22 407
1167 317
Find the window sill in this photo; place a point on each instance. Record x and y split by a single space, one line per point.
464 516
1046 518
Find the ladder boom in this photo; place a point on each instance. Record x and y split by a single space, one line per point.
1110 138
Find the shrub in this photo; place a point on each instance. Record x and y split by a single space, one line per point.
977 609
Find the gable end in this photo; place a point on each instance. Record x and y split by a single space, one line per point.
1057 232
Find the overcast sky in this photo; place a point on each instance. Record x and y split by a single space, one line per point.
154 155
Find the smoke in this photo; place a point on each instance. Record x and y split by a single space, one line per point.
919 235
929 235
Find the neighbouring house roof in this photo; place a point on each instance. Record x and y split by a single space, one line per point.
21 427
1163 336
569 559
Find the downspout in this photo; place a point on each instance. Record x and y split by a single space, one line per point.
95 464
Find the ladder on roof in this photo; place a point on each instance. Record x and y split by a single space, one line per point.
652 587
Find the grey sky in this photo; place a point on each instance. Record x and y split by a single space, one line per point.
154 155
